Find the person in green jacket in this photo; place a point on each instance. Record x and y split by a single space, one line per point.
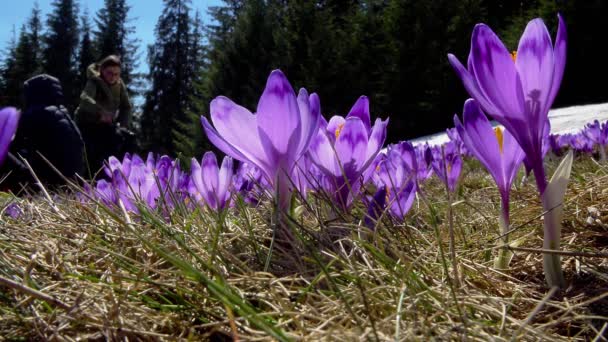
104 112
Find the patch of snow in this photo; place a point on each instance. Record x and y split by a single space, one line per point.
563 120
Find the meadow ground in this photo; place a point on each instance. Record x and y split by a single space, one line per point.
75 270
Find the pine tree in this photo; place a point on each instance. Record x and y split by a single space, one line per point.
170 76
188 134
23 59
34 27
113 37
10 85
245 55
60 54
86 51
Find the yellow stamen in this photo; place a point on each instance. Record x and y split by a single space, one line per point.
388 194
499 137
339 129
378 168
514 55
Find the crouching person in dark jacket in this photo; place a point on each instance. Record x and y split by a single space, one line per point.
46 129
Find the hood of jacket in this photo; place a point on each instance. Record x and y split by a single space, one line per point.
43 90
93 72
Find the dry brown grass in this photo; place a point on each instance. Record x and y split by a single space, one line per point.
83 272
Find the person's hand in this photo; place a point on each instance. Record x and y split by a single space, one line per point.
106 117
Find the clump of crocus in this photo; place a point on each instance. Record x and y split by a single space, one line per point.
598 134
518 92
424 169
249 182
344 148
213 183
498 151
134 180
447 164
12 210
274 138
581 143
396 176
9 119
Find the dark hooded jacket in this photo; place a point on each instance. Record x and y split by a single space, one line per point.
46 128
98 97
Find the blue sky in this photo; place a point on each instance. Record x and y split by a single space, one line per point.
145 13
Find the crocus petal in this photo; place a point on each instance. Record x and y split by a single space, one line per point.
309 115
513 156
225 179
237 127
479 137
376 138
9 120
223 145
404 198
209 170
535 67
495 72
196 175
323 155
351 146
361 110
470 84
112 164
334 126
559 55
278 115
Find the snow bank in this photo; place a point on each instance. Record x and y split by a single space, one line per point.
563 120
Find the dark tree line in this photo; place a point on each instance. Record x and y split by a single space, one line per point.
394 51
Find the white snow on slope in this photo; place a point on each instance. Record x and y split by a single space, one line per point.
563 120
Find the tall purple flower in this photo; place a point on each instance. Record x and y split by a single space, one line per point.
498 151
518 91
9 119
424 169
447 164
396 172
598 133
274 138
345 147
212 182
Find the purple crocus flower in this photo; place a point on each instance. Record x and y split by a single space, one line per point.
344 148
9 119
564 140
397 174
495 148
105 192
454 136
518 91
212 182
581 143
424 169
554 144
249 182
598 133
13 211
375 206
498 151
274 138
447 164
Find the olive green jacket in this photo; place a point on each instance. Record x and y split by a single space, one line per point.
98 96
